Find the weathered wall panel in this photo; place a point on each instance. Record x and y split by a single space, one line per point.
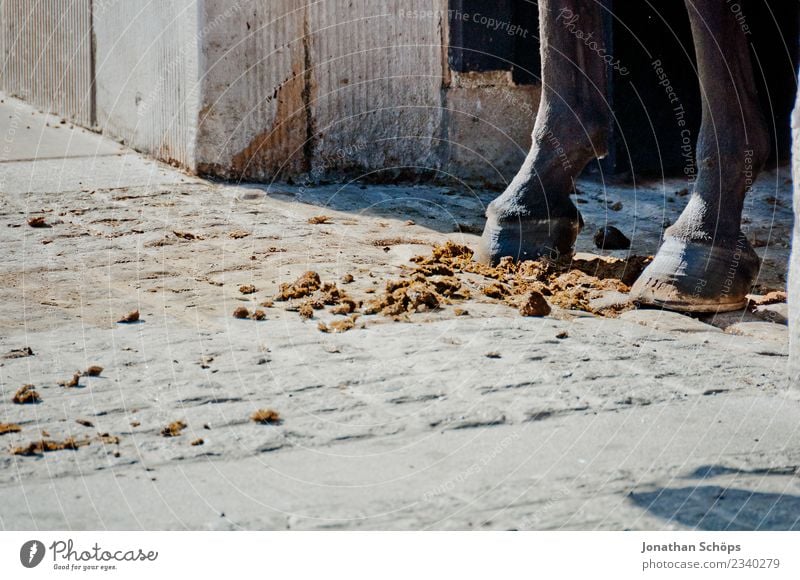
46 52
147 71
253 118
378 86
794 267
328 88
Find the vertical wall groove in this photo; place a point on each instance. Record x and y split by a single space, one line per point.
47 55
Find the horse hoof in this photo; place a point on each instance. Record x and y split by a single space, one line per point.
695 277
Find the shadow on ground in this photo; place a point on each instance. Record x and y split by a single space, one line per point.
714 508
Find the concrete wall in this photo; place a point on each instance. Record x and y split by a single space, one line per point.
794 267
147 75
351 88
46 55
257 90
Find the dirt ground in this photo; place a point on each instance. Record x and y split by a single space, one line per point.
467 415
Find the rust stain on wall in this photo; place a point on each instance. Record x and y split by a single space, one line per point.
286 148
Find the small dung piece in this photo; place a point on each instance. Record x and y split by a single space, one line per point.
774 297
84 422
38 222
187 235
460 312
247 289
26 395
562 335
347 279
9 428
266 416
259 315
535 305
46 445
494 290
238 234
319 219
94 371
108 439
19 353
173 429
306 310
493 354
198 441
73 382
241 312
132 316
610 238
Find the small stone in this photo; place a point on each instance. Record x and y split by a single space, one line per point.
610 238
617 206
38 222
535 305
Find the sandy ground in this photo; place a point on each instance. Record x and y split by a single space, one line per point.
652 420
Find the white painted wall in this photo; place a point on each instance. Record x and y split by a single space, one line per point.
147 75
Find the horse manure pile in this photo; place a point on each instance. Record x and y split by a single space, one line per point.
532 286
316 295
448 275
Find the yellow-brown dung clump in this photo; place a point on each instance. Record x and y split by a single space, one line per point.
47 445
173 429
9 428
338 326
26 395
266 416
304 286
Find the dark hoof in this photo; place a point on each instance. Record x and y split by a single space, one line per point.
528 239
695 277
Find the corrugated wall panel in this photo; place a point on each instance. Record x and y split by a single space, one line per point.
47 55
147 73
